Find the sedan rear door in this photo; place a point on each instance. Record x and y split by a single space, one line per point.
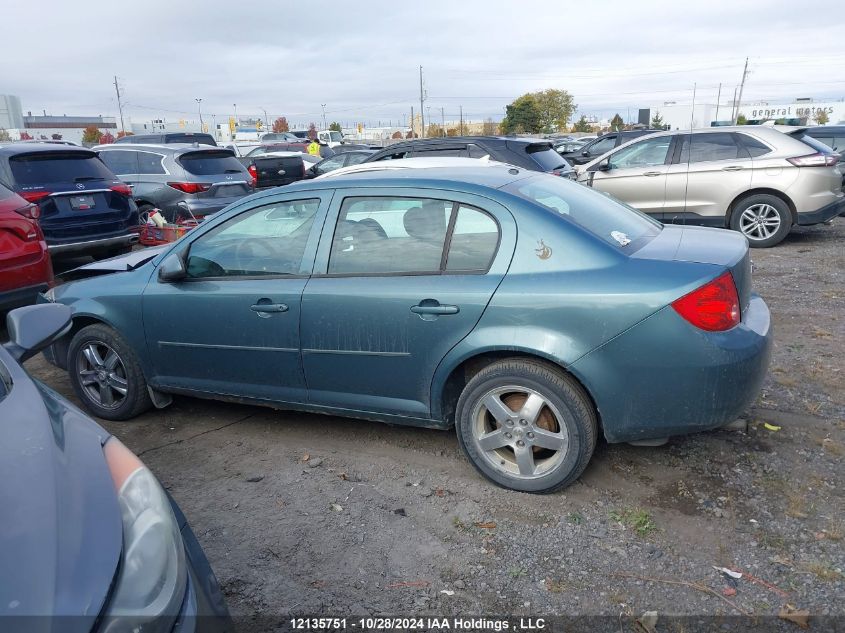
402 275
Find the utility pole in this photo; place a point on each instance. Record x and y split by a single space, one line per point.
718 97
741 87
412 121
462 119
325 127
422 120
266 120
733 105
199 109
442 121
119 105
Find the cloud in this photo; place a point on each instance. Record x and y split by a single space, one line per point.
362 59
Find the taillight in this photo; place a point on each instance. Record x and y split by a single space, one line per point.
254 173
34 196
815 160
190 187
713 307
126 190
31 211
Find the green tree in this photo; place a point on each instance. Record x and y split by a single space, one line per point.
616 123
91 135
820 117
522 116
334 126
556 108
657 121
281 125
742 120
582 125
4 135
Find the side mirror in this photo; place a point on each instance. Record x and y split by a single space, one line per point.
602 165
172 268
33 328
585 153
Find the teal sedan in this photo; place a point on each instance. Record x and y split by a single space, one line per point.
526 311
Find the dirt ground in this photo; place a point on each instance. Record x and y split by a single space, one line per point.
305 514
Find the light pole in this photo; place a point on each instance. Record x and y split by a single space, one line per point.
266 118
325 127
199 109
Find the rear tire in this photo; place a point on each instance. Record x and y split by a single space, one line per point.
106 375
526 426
764 220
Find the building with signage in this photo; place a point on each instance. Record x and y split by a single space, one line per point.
707 114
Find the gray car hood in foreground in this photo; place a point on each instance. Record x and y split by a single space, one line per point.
60 532
119 264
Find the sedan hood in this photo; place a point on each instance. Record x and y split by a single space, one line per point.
61 532
119 264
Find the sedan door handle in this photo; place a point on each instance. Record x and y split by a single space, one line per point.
434 308
270 308
653 173
732 168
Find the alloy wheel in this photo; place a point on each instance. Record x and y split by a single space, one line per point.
102 374
519 432
759 221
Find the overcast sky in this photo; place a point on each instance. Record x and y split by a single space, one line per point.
362 58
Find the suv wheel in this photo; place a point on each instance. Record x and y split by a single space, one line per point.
526 426
765 220
106 375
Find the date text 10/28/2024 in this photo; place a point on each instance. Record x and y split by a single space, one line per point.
423 624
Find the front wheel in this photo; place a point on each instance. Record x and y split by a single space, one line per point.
106 374
526 426
763 219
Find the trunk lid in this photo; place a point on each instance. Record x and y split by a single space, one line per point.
727 249
218 168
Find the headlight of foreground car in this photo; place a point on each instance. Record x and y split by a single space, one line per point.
152 576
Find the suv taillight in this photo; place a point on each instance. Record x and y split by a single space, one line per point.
713 307
31 211
815 160
254 173
190 187
34 196
126 190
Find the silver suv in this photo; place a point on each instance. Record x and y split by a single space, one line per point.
183 181
752 179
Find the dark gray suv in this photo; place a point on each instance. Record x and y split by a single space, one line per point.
183 181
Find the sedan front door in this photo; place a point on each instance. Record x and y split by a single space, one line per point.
401 277
231 327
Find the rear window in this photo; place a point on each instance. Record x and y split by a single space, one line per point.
44 167
207 163
814 143
205 139
546 157
604 217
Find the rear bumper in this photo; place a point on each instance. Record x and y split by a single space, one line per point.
20 296
823 214
92 245
665 377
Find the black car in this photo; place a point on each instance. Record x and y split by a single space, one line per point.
529 153
172 137
85 208
602 145
89 540
344 159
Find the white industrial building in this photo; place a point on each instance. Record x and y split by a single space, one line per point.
706 114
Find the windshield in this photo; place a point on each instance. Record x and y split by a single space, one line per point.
601 215
336 136
54 167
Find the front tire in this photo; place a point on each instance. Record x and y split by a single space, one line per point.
106 375
526 426
764 220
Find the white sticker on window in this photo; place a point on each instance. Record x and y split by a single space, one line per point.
620 237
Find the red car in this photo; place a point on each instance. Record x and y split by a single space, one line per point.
25 268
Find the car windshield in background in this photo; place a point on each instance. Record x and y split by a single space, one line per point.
546 157
814 143
207 163
336 136
604 217
37 169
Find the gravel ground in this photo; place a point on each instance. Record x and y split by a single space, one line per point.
304 514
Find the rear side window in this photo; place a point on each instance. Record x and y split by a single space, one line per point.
475 238
710 147
606 218
445 151
601 146
546 157
120 162
208 163
149 163
753 146
54 167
